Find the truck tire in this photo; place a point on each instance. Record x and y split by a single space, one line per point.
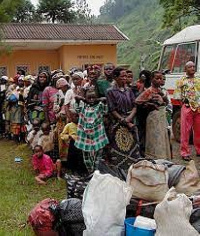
176 125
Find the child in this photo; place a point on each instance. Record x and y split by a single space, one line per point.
44 166
46 140
35 133
91 135
73 157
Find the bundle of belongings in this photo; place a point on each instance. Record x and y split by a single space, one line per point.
52 218
153 189
108 200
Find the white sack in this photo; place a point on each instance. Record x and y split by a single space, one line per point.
172 215
104 205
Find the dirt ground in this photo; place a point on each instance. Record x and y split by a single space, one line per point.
177 157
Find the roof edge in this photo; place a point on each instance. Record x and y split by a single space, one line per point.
126 37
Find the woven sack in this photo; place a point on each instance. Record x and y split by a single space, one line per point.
149 180
189 181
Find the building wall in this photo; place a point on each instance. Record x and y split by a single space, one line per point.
32 59
81 55
64 58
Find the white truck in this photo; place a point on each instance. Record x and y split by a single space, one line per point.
177 50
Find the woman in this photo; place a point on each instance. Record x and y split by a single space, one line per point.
48 98
157 142
34 100
59 110
76 90
122 131
16 109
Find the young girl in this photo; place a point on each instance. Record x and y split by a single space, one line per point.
44 166
91 136
74 157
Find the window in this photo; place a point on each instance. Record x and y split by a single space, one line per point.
43 68
183 54
167 57
23 67
3 70
174 57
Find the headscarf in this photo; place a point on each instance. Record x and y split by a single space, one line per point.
61 83
79 73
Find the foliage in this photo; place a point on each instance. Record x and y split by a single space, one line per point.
142 23
56 10
83 12
177 12
117 8
62 11
25 12
8 9
20 193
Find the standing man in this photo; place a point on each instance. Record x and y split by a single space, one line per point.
104 82
188 90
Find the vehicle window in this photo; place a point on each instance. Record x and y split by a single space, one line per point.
183 54
168 57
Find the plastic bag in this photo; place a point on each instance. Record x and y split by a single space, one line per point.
104 205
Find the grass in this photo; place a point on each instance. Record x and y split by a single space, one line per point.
19 191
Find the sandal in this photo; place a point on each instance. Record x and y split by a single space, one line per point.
186 158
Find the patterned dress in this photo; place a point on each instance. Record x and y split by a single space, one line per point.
157 144
91 135
124 142
48 98
91 132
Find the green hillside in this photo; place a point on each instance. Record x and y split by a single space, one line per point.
141 21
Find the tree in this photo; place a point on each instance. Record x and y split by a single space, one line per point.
177 12
25 12
8 9
56 10
83 12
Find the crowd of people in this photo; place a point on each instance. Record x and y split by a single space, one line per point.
75 121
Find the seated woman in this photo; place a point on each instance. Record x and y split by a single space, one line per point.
122 131
157 142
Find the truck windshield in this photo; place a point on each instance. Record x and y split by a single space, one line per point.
175 56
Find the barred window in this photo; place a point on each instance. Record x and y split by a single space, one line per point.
44 68
3 70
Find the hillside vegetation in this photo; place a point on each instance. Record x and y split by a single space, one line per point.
141 21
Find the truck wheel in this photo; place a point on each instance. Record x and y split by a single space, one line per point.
176 126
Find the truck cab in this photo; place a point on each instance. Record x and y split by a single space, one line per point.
176 51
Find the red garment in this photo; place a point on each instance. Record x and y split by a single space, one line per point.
139 85
147 95
45 165
189 120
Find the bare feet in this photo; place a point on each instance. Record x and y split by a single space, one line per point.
40 181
